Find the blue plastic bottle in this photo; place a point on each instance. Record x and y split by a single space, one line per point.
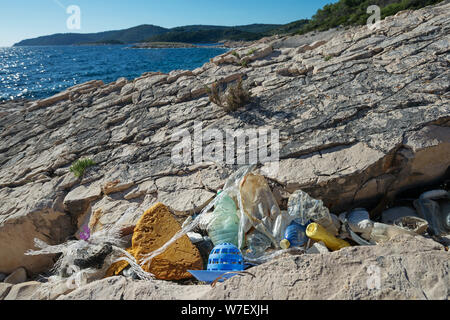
294 236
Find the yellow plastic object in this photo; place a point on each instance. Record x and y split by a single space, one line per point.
316 232
285 244
117 267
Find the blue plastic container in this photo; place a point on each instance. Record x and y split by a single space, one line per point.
223 258
294 236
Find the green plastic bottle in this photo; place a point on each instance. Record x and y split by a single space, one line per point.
224 225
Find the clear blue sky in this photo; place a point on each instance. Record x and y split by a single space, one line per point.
23 19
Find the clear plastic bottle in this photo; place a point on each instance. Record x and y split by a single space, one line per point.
257 243
224 224
383 232
294 236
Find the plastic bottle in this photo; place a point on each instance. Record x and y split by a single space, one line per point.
257 244
383 232
224 225
294 236
316 232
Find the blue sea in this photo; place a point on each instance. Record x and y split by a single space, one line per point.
40 72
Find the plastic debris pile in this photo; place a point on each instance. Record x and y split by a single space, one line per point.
243 225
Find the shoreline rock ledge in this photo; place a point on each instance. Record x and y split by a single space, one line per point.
362 116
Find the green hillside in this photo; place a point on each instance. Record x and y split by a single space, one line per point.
205 36
213 34
289 28
354 12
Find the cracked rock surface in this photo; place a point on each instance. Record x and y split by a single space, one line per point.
405 268
361 114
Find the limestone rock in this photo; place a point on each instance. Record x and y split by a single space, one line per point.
51 291
176 74
153 230
121 288
49 101
430 145
23 291
4 290
18 276
78 200
108 212
28 212
348 274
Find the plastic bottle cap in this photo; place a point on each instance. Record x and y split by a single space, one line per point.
311 229
285 244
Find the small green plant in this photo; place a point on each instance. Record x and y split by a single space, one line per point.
244 63
251 51
234 53
236 96
327 58
79 167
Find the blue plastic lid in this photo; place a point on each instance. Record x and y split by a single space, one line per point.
209 276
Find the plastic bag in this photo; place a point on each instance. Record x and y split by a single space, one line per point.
359 222
434 206
231 189
383 232
223 226
260 207
303 207
261 222
84 261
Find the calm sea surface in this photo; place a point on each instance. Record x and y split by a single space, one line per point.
40 72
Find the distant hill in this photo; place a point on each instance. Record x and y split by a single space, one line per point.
212 34
259 28
130 35
204 36
145 33
289 28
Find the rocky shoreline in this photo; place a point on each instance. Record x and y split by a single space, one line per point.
163 45
363 116
222 44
